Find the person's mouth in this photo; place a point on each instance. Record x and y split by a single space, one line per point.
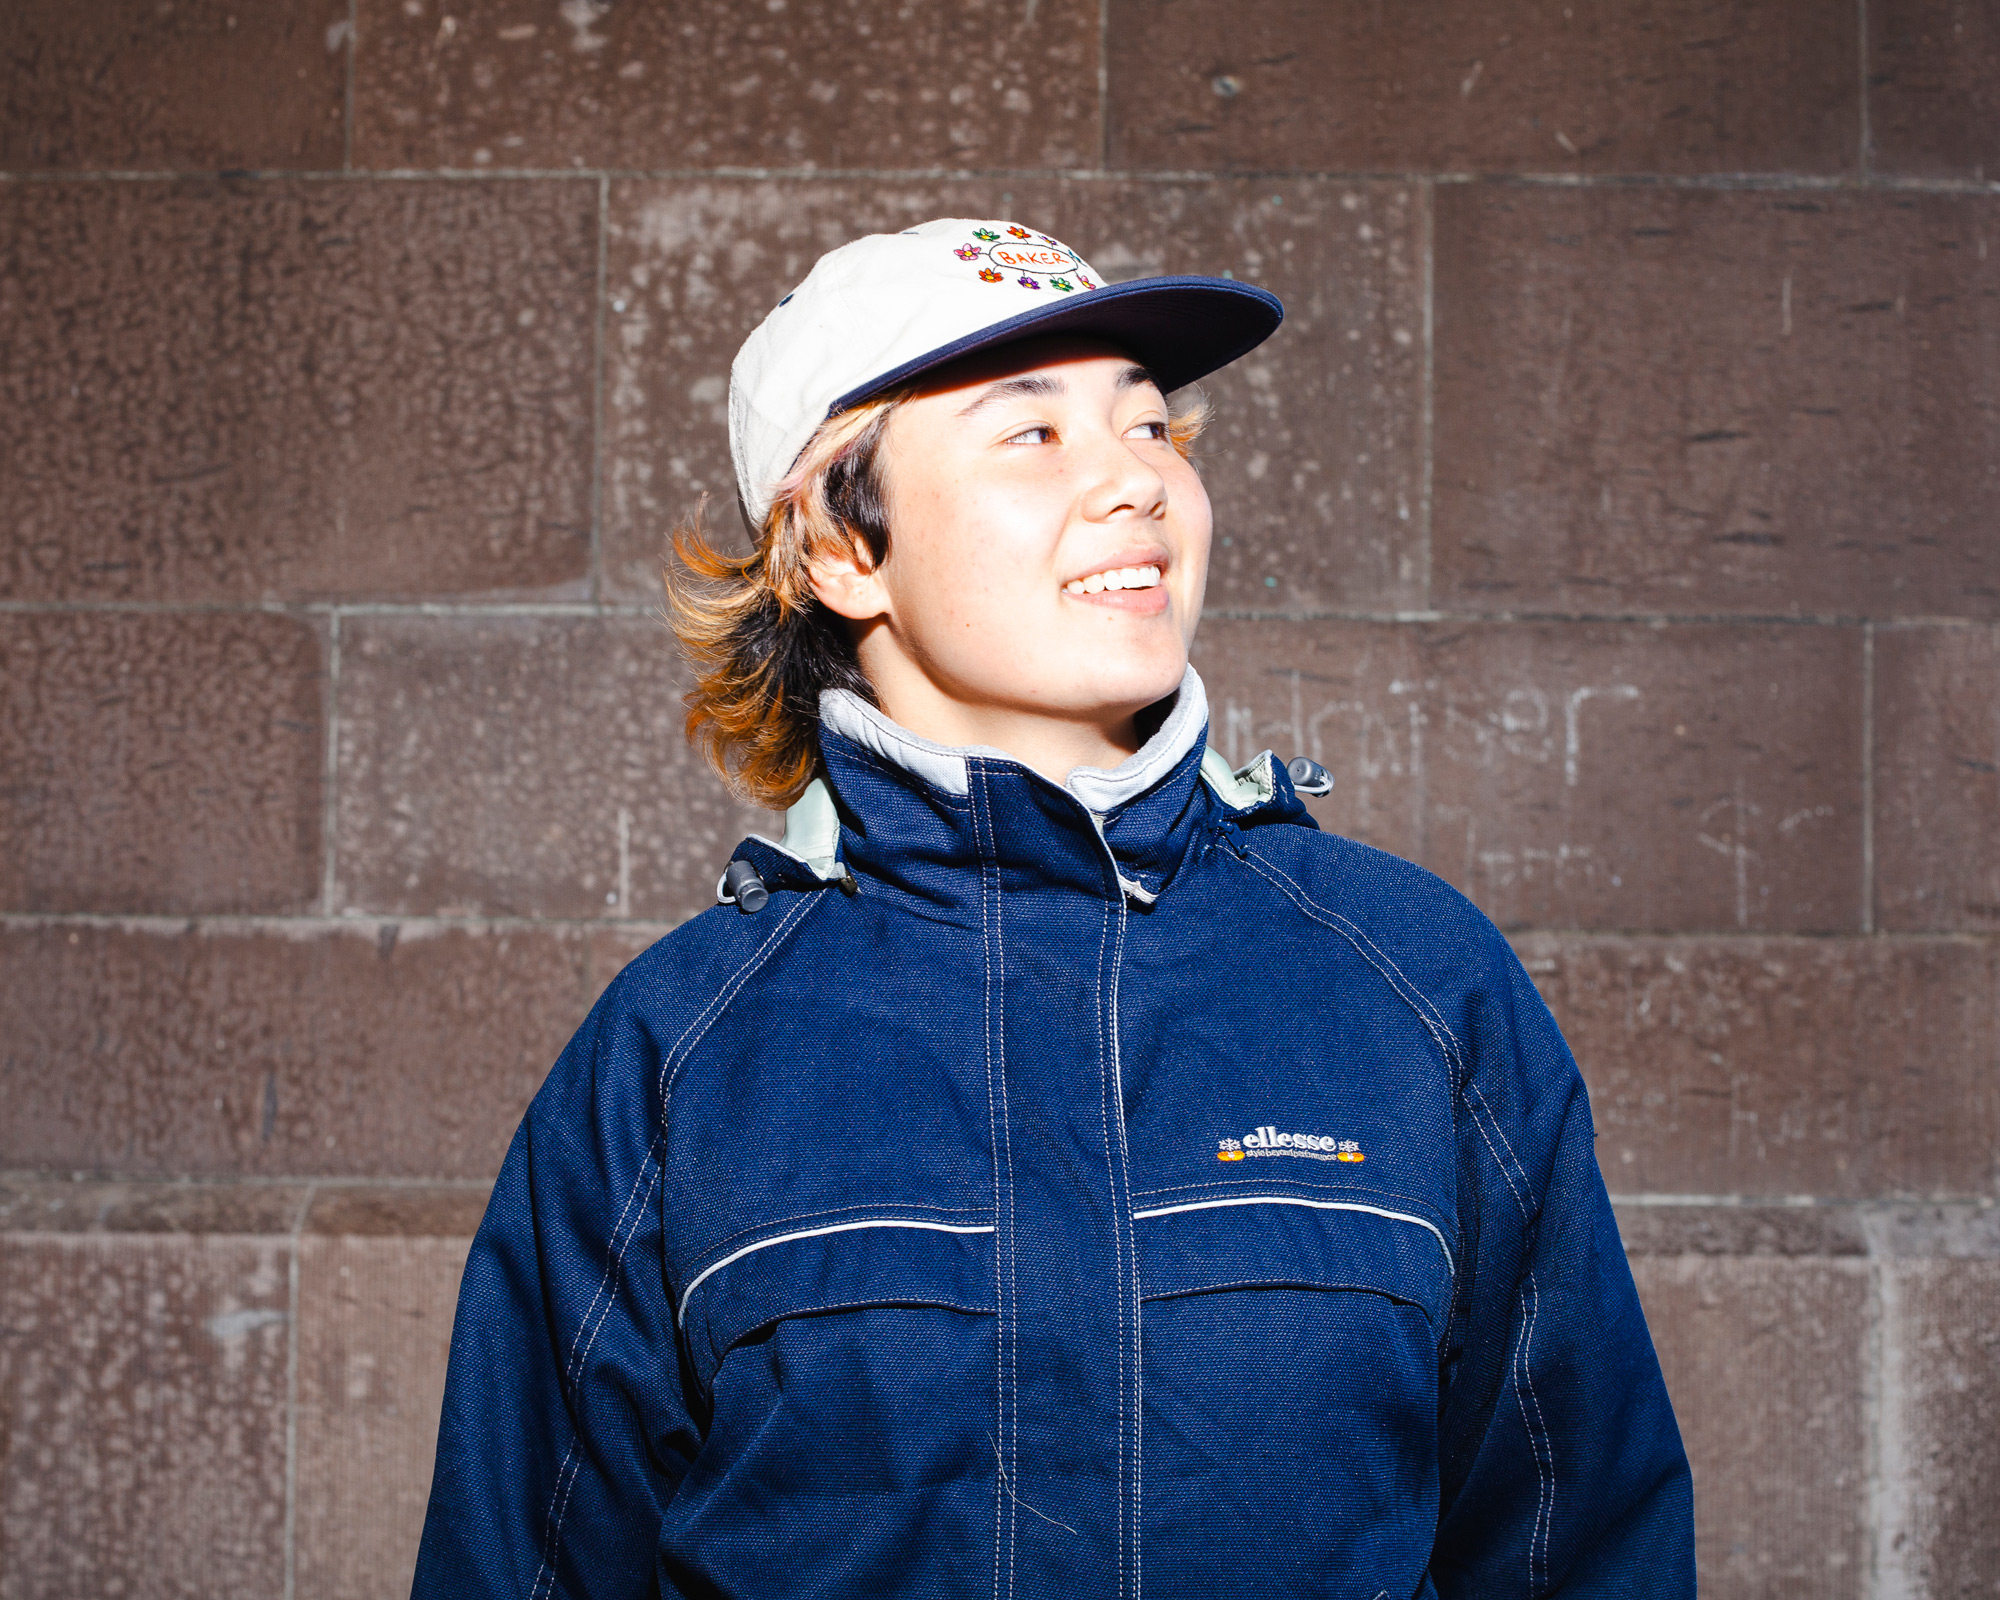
1143 576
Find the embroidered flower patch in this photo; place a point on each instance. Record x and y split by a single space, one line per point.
988 275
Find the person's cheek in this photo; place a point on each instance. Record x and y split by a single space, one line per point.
1196 531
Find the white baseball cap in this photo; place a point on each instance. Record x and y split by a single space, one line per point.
882 309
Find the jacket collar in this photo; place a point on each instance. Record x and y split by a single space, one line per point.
1100 790
924 819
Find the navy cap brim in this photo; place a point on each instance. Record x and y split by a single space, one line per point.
1179 329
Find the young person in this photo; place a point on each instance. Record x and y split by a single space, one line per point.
1056 1168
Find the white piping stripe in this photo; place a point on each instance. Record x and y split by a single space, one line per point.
814 1233
1318 1205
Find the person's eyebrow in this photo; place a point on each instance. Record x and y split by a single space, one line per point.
1035 384
1135 375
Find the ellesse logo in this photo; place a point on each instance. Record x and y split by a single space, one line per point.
1268 1141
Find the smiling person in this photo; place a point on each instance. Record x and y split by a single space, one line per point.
1056 1168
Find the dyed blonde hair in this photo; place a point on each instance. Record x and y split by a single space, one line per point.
762 645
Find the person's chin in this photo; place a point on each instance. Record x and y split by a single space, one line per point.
1124 687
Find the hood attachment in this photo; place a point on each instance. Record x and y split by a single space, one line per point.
807 857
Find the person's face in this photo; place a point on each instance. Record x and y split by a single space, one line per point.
1048 546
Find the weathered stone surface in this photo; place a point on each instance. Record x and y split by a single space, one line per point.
1937 778
1934 88
1699 1228
1680 400
134 85
375 1049
1765 1362
1840 1067
1314 462
1942 1427
525 765
142 1416
1574 775
160 763
397 1211
972 83
43 1205
243 391
375 1318
1472 86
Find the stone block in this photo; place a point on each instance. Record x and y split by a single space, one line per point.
160 763
531 766
1937 778
375 1315
222 392
1765 1360
368 1049
1571 775
1690 86
1716 401
973 83
142 1415
38 1204
1314 463
1934 88
1850 1068
1699 1227
132 85
1941 1421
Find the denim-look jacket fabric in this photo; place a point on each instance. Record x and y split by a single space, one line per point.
1126 1190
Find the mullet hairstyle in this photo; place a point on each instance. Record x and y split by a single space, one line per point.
762 645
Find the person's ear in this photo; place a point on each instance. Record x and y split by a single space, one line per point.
848 582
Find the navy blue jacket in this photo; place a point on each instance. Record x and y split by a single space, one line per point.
1115 1189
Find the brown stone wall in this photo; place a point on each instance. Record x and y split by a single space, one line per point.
1617 515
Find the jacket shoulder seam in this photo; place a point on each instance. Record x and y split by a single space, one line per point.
676 1056
1457 1060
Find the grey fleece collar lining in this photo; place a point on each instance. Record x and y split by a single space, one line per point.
946 767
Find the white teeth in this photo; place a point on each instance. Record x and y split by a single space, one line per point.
1114 578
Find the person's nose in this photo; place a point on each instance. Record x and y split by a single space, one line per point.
1123 484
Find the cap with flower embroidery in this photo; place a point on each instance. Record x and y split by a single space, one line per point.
884 308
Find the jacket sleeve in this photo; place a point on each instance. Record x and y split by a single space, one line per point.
563 1433
1561 1464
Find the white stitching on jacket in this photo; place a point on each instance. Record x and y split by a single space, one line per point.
1121 1203
1539 1442
690 1035
1427 1014
1006 1331
579 1349
1416 999
1099 1004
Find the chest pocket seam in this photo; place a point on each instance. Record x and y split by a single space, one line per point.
923 1224
1315 1285
1317 1205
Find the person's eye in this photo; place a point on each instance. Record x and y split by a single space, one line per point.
1040 433
1151 430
